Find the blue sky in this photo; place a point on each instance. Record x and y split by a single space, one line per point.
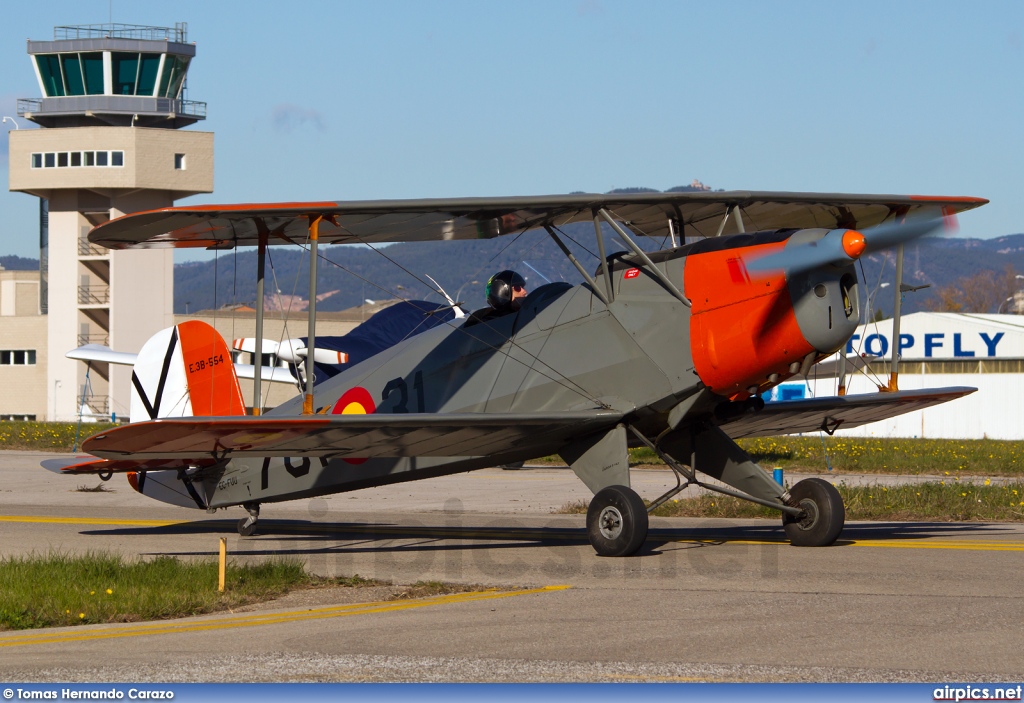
341 100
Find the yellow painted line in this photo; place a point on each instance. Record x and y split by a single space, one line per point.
939 544
254 620
892 544
89 521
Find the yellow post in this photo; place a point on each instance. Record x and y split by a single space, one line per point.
223 563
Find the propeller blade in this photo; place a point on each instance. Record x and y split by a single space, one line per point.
843 246
890 234
248 344
294 352
327 356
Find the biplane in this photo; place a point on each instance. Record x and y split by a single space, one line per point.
669 349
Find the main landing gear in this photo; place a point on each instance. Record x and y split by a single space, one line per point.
823 514
247 525
617 521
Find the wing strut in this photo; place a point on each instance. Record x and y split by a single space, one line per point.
894 370
257 387
644 258
314 239
579 267
604 259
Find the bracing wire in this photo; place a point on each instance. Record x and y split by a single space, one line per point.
565 384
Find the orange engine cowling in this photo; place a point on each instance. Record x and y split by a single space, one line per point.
742 329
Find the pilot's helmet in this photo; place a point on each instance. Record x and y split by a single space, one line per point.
499 289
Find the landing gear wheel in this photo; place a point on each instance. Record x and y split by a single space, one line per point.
617 522
247 527
824 514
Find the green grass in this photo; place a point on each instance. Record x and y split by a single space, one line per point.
46 436
59 589
940 457
939 501
936 457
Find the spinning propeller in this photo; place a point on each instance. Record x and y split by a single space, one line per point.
844 246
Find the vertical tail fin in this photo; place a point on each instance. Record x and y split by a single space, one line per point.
183 371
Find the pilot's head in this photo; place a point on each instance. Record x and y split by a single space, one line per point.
505 291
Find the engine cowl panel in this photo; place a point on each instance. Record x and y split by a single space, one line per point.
752 331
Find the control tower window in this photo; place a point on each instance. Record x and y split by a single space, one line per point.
49 71
92 69
117 158
74 84
175 68
179 162
148 67
125 67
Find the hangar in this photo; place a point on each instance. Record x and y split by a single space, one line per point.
937 349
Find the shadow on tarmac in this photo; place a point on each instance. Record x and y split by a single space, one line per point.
508 533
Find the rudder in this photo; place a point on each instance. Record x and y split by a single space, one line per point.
184 371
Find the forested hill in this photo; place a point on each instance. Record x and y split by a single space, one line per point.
19 263
400 270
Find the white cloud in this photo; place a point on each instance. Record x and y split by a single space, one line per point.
287 117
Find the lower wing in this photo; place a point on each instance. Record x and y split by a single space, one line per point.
833 413
464 434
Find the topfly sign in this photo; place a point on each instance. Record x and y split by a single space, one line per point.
931 335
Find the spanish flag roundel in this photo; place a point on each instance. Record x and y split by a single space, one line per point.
354 401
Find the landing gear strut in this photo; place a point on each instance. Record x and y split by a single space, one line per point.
247 525
617 522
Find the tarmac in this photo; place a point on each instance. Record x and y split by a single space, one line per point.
706 599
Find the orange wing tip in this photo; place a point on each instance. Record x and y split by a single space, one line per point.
853 243
965 199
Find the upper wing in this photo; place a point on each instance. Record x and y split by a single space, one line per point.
830 414
476 218
390 435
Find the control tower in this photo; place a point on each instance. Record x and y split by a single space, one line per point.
111 143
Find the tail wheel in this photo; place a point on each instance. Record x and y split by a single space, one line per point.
246 527
824 514
617 522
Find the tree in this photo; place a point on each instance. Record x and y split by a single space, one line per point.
983 292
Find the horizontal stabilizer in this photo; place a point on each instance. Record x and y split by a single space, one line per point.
98 352
86 465
838 412
354 436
